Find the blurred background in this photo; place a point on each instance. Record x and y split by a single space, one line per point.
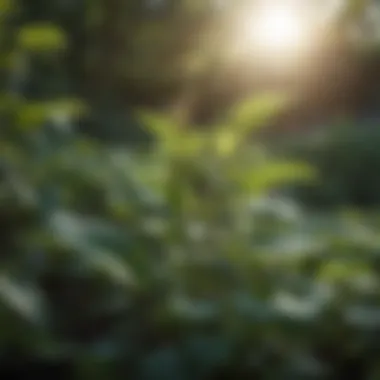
190 189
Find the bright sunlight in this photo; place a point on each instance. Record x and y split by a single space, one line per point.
278 27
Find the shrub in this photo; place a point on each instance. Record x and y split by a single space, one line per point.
176 264
173 263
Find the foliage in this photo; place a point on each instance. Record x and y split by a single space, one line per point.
171 265
176 262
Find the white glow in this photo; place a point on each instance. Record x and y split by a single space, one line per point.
277 32
278 27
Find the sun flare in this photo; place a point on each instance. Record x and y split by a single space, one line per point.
277 27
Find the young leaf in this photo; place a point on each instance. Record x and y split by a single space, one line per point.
161 126
259 179
257 111
41 38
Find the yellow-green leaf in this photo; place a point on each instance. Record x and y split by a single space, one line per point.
256 112
6 6
341 270
264 177
226 142
42 37
163 127
34 114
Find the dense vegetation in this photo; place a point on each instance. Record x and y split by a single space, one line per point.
180 259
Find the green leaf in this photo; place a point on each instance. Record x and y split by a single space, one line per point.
6 6
256 112
340 270
163 127
33 114
26 301
110 265
86 238
272 174
226 142
42 37
297 308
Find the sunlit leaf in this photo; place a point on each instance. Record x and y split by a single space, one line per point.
34 114
295 307
272 174
6 6
42 37
257 112
161 126
341 270
226 142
